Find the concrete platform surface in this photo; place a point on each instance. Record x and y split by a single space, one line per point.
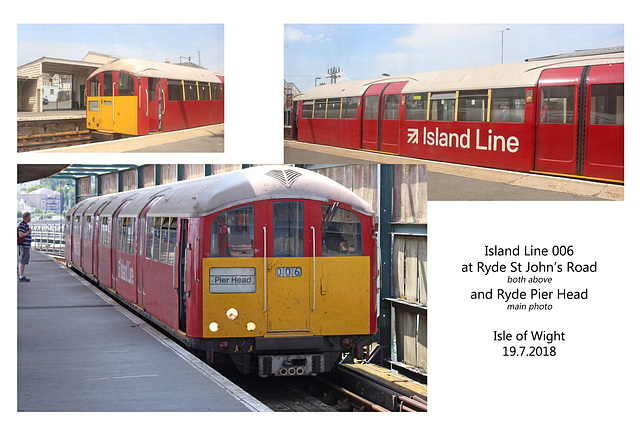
78 350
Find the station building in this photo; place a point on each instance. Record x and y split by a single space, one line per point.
35 81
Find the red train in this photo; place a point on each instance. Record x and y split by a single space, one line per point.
274 267
138 97
558 115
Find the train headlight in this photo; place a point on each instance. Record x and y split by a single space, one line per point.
251 326
232 314
213 327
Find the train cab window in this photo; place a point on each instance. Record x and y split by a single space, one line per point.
473 106
607 104
67 225
288 229
415 106
87 229
350 107
341 232
126 234
371 107
203 92
307 109
443 107
190 91
125 84
104 232
174 88
333 108
320 109
216 91
507 105
556 104
232 233
391 107
93 86
107 86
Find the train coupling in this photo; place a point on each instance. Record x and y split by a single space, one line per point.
291 365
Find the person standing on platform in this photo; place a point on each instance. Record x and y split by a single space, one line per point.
24 248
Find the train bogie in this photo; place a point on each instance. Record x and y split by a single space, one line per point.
277 279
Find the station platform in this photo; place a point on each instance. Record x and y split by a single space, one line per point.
78 350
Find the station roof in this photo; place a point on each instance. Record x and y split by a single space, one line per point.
31 172
47 65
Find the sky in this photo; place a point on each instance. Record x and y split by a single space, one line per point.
155 42
364 51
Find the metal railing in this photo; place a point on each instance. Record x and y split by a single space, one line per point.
48 238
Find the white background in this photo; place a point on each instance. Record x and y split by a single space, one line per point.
592 380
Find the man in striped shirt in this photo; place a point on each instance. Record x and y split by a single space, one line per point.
24 248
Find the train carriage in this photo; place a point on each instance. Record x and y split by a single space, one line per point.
559 115
139 97
272 266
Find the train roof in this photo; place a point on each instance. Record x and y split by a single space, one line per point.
144 68
520 74
203 196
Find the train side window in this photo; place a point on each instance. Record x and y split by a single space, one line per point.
341 232
125 84
174 88
507 105
76 227
216 91
87 229
473 106
232 234
371 107
153 85
320 109
350 107
333 108
416 106
288 229
607 104
126 234
391 107
190 91
104 232
443 106
556 104
307 109
203 91
107 86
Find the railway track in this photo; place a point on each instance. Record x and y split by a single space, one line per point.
53 140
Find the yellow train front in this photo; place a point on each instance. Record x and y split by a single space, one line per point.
288 283
139 97
273 267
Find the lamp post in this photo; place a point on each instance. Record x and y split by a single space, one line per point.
502 51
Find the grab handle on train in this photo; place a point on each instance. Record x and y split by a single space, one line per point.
264 253
313 234
147 92
113 107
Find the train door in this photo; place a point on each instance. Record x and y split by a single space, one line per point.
380 122
561 115
107 108
154 109
115 231
289 273
182 278
604 145
143 241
